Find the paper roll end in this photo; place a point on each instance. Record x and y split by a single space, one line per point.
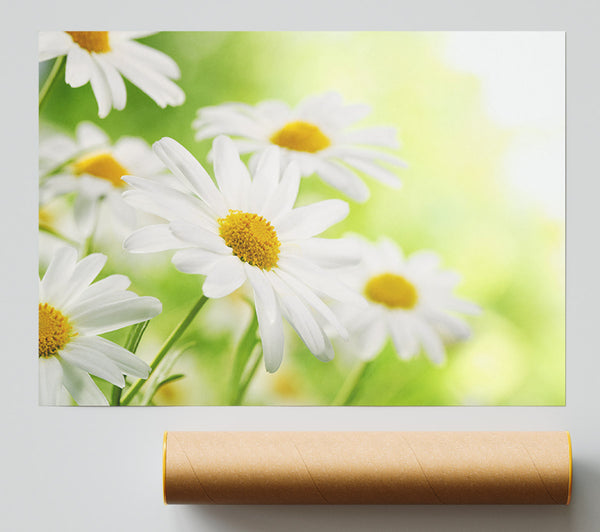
164 467
570 467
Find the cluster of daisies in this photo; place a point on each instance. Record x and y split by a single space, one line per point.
237 228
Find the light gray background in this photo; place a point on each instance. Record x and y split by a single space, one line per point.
72 469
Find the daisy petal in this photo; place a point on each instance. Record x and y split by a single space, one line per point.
115 83
152 238
79 67
86 270
151 58
311 220
283 199
101 90
432 344
83 356
266 179
50 383
370 340
198 261
405 342
183 164
373 136
58 272
81 386
328 252
299 317
224 277
117 315
51 44
375 171
263 291
127 362
343 179
271 336
198 236
231 174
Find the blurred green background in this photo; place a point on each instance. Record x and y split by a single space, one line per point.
455 200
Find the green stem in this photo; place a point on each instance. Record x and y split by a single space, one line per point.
88 244
348 390
242 354
52 77
243 388
133 340
169 342
50 231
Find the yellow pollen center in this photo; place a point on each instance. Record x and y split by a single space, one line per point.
92 41
301 136
54 331
251 237
391 290
102 165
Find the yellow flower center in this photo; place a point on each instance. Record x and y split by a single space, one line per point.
391 290
55 331
251 237
102 165
301 136
92 41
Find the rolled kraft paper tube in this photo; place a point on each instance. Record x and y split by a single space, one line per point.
367 467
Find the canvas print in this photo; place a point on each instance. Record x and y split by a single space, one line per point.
301 218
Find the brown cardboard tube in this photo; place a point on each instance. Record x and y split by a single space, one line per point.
367 467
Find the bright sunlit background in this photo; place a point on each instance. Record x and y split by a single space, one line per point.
481 118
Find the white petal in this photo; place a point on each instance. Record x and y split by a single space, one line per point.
83 356
450 326
343 179
375 136
309 297
231 174
266 179
194 260
271 335
81 386
184 165
310 220
81 306
323 281
389 254
328 252
101 90
90 136
460 305
370 340
86 270
112 283
115 83
117 315
127 362
405 342
167 202
299 317
85 211
50 383
263 291
224 277
283 199
160 88
52 44
432 344
58 273
375 171
152 238
79 67
198 236
151 58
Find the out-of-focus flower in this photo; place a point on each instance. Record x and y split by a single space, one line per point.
410 300
315 135
73 311
103 57
92 167
246 229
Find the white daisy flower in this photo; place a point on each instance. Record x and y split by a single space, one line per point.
73 311
246 229
410 301
103 57
94 169
315 135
